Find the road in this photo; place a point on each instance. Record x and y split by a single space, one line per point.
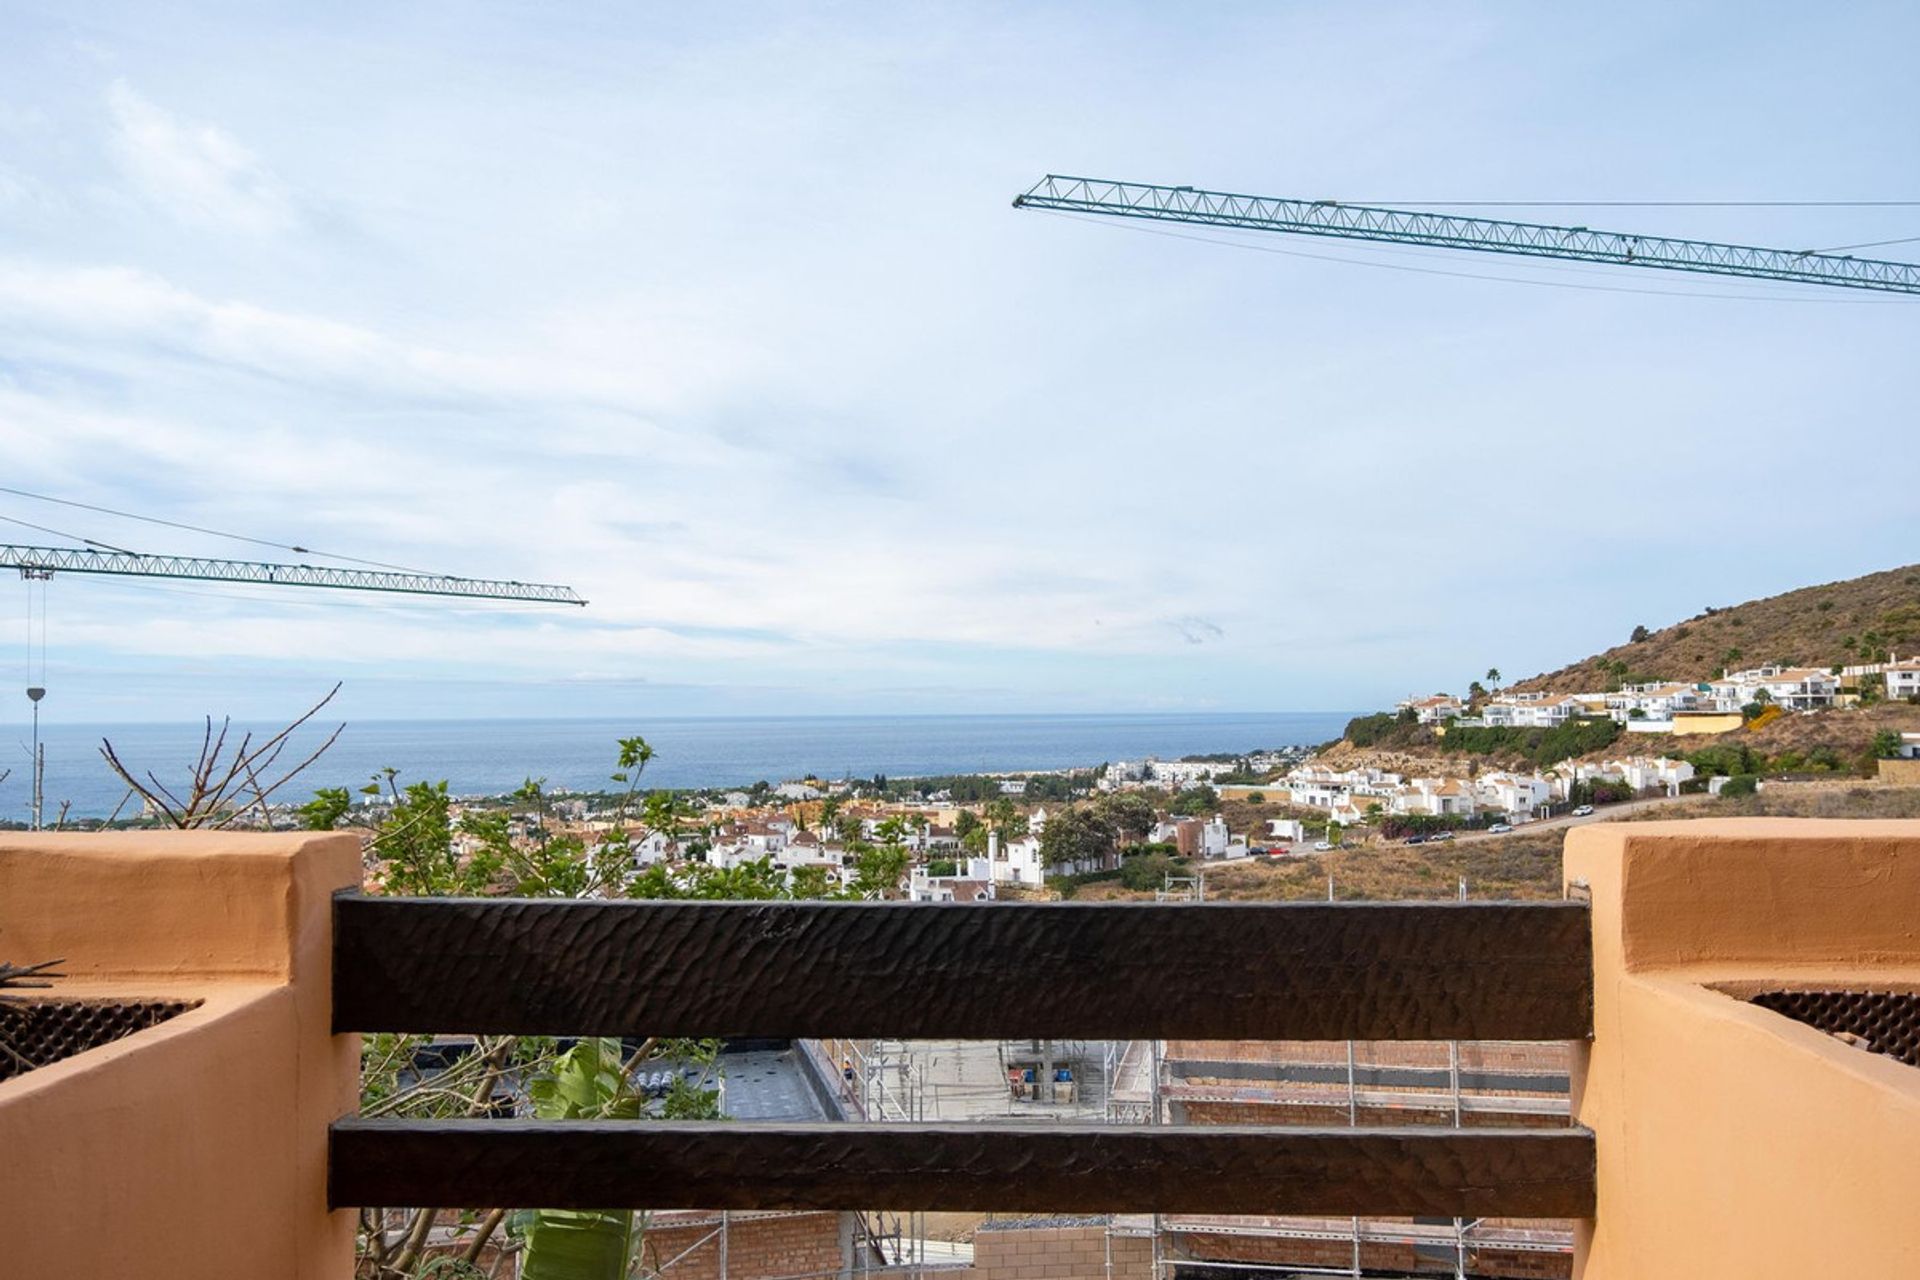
1600 814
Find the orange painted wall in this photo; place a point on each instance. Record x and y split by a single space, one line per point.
1734 1142
197 1148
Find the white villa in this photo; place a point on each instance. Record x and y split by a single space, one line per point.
1903 678
1435 709
1795 688
1529 711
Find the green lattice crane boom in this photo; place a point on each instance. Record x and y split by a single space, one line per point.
44 562
1331 218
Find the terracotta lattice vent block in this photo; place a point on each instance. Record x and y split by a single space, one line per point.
37 1033
1885 1022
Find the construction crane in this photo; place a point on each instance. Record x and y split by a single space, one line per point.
44 562
39 564
1331 218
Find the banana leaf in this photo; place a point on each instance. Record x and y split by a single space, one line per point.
581 1244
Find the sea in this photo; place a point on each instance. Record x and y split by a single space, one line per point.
488 757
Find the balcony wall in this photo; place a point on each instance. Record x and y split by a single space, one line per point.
1732 1141
196 1148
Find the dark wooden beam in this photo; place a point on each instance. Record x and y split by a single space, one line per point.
1283 971
1463 1173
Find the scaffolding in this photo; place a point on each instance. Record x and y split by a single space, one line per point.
1507 1078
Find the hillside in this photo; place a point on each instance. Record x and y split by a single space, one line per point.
1833 624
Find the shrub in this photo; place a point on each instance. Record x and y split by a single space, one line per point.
1195 802
1540 746
1365 731
1741 784
1150 872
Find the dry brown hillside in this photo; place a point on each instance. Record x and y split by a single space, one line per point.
1837 623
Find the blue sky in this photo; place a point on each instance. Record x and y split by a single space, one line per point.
722 316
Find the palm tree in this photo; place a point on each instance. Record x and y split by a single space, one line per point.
1493 677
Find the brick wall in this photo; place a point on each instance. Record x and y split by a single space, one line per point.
760 1246
1059 1253
1335 1114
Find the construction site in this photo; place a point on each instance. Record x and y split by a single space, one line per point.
1137 1082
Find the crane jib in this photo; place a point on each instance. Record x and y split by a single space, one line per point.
41 562
1331 218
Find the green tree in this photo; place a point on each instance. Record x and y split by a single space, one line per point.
877 870
1005 819
1129 813
1150 871
1195 802
1079 834
325 811
1640 635
1886 744
630 762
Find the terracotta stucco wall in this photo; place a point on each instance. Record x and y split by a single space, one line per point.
1734 1142
195 1149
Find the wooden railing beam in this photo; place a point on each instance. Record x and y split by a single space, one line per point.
1293 971
1041 1168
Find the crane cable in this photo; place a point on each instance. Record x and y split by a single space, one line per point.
192 528
1473 275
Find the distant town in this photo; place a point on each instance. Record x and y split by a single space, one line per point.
1436 768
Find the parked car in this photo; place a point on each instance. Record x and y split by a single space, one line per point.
1444 835
1321 846
1499 828
1584 811
1414 840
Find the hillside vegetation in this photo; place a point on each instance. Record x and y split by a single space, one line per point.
1830 625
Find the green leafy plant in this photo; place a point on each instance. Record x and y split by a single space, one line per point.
587 1082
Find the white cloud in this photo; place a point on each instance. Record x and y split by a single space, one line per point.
198 173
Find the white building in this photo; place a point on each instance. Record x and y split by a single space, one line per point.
654 846
1435 797
1016 863
1653 701
1432 710
1529 711
1516 795
975 884
1903 678
1642 773
1286 830
1795 688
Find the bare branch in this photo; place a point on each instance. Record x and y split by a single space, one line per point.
231 778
